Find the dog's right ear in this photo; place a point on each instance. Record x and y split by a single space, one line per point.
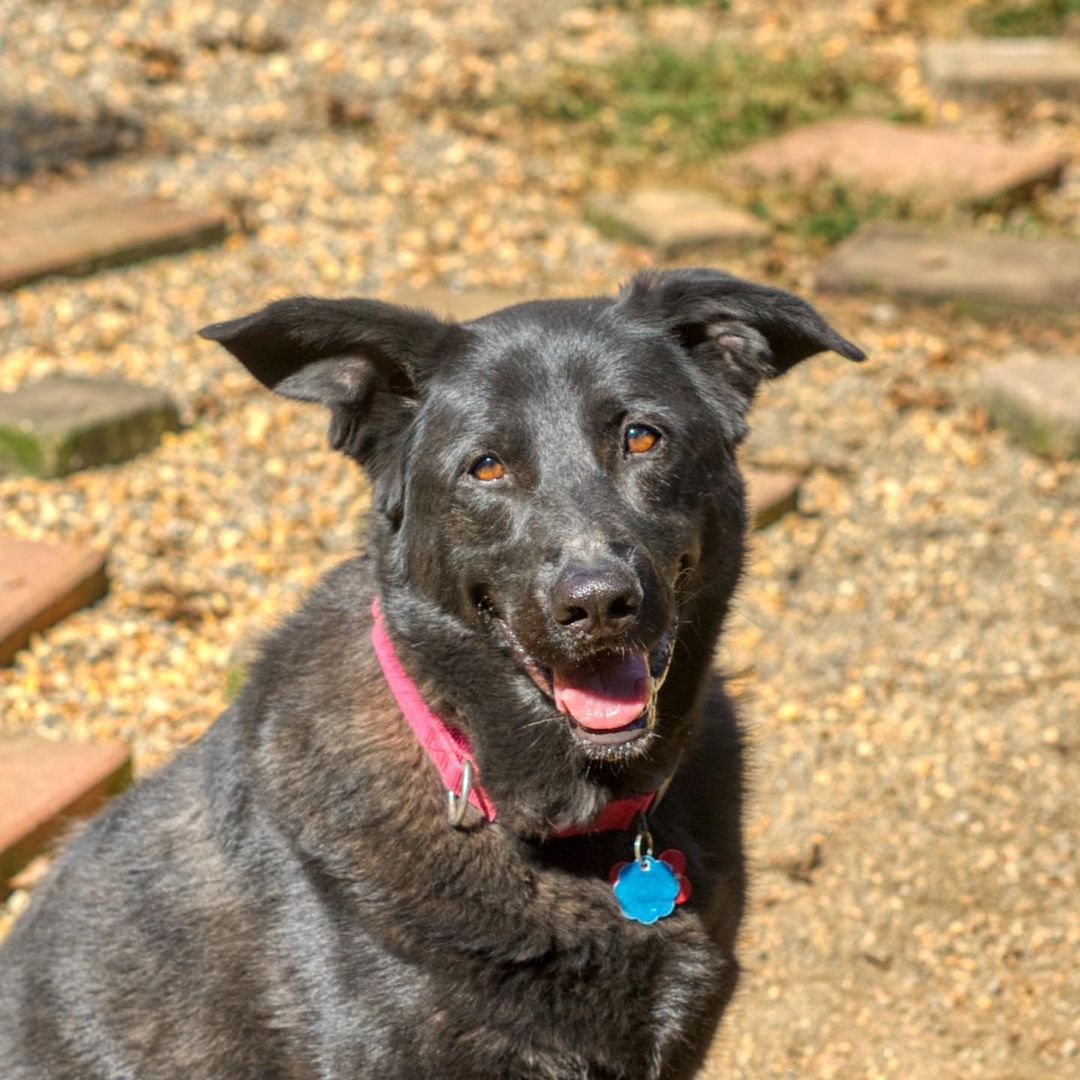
344 354
333 351
360 358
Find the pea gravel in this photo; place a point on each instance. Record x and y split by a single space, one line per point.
905 646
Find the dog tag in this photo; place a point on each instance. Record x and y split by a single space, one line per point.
646 889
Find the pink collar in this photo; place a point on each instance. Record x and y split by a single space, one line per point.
449 750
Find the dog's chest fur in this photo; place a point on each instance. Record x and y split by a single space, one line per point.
623 1000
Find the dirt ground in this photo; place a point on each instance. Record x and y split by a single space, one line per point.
905 647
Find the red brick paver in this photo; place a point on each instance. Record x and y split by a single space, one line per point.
46 786
771 494
41 583
81 227
929 168
464 305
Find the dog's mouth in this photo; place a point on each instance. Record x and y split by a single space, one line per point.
609 698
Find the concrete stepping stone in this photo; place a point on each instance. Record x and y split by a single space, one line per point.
942 265
1037 402
674 222
929 169
65 423
984 69
771 493
45 787
82 227
42 583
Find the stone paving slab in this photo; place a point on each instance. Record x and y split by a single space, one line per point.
45 787
59 425
675 222
991 269
82 227
42 583
1037 402
930 169
988 68
771 494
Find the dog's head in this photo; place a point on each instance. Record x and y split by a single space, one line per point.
560 518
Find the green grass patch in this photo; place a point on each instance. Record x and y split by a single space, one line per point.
20 452
1035 18
235 677
698 105
821 214
833 212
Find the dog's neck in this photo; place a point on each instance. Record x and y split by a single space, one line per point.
449 751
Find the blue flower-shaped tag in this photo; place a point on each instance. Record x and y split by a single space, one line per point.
646 889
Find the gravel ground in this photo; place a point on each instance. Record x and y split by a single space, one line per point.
905 646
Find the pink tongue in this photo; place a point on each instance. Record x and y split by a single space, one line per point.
605 697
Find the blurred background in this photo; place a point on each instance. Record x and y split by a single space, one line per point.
905 644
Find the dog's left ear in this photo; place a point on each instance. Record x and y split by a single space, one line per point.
751 332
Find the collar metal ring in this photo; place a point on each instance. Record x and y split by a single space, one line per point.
458 804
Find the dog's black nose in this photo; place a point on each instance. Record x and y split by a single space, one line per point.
597 600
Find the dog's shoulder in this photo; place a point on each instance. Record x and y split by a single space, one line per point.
334 615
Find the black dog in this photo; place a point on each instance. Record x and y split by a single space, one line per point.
558 530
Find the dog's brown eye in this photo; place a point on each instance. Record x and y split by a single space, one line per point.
489 467
640 438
